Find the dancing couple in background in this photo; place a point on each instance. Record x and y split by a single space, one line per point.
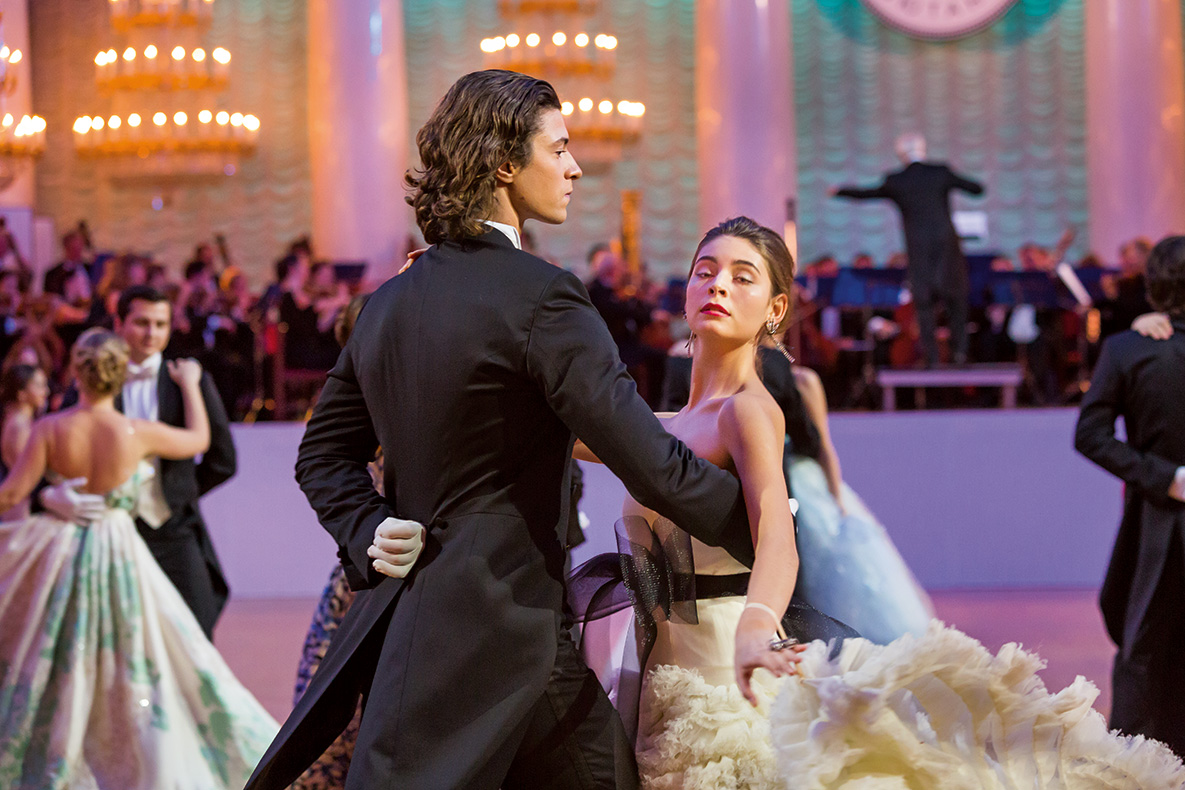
108 679
475 370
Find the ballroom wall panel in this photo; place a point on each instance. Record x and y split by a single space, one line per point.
1006 106
260 209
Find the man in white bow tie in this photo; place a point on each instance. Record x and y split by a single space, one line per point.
168 516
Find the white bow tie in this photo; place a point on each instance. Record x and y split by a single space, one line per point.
142 372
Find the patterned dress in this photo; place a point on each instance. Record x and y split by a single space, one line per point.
106 679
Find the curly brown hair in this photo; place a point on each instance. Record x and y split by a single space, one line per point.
100 361
1164 276
486 119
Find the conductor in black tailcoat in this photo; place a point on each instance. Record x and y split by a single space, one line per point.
473 369
937 270
1143 596
169 518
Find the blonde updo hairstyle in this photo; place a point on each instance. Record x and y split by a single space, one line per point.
100 362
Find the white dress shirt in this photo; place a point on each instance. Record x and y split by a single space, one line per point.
141 401
510 231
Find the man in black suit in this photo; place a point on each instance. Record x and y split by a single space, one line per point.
169 518
937 270
75 258
473 370
1143 381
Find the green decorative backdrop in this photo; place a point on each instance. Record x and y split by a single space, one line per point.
655 65
1006 106
264 206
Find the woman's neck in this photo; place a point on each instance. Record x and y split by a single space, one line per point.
719 370
94 402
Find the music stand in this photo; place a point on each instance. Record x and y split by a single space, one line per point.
867 290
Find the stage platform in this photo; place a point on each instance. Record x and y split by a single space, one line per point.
1006 377
989 499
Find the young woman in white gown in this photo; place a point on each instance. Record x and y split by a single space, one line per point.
106 679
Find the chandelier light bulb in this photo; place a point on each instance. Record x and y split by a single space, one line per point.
585 104
236 119
114 122
605 107
199 54
223 118
134 120
532 39
600 40
159 119
96 123
251 123
559 38
221 55
15 57
150 51
566 108
581 40
111 56
129 53
178 52
205 116
610 42
101 59
39 123
180 118
81 125
513 40
7 122
5 52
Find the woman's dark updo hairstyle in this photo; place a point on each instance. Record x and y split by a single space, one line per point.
486 119
100 361
14 381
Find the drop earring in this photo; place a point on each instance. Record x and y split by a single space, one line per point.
771 326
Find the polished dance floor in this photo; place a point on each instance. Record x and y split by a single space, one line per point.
262 638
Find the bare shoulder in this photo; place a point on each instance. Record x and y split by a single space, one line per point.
750 410
807 379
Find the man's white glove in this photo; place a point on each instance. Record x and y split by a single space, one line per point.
66 502
397 544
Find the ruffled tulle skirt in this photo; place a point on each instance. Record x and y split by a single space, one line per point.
936 712
107 680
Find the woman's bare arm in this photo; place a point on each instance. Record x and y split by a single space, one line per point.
174 443
815 400
14 439
751 427
29 469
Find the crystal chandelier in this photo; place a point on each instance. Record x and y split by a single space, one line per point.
164 120
554 40
19 139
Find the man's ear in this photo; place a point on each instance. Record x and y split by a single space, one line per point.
505 174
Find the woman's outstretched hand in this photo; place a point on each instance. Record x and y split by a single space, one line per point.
185 372
753 651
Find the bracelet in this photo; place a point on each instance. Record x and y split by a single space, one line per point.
762 607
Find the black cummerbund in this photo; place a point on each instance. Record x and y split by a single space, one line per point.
721 586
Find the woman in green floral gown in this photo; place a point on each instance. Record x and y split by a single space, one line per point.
106 679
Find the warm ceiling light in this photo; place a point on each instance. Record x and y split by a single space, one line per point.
178 52
251 123
581 40
7 122
129 53
180 118
5 52
134 120
221 55
81 125
15 57
605 107
205 116
533 40
513 40
585 104
96 123
159 119
114 122
236 119
199 54
566 108
101 59
111 56
223 118
559 38
150 51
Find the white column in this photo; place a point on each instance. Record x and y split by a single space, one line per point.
358 132
15 24
1135 112
744 110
